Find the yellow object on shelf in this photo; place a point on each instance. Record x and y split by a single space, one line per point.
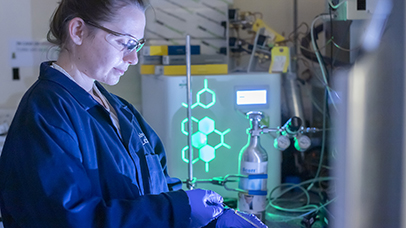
155 50
207 69
275 37
147 69
280 60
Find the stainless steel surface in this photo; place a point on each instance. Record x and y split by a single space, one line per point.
189 111
294 63
293 97
254 152
370 134
253 59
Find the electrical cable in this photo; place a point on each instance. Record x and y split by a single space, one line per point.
346 49
307 208
344 35
319 58
316 50
323 141
322 206
320 48
331 46
327 95
299 185
310 54
298 27
335 6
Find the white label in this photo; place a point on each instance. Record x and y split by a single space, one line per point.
159 70
253 168
279 63
145 51
27 52
165 60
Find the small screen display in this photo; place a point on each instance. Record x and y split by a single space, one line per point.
251 97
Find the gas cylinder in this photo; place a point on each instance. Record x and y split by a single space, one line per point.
253 161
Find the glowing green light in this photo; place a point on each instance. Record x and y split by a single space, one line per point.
206 126
222 143
184 152
207 153
199 93
199 140
183 125
206 89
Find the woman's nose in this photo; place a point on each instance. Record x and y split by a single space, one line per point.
131 58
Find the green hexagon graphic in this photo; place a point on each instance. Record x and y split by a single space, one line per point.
206 125
206 90
199 140
198 94
222 143
207 153
183 125
185 153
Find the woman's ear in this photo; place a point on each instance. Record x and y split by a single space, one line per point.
77 30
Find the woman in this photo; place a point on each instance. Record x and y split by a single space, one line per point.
78 156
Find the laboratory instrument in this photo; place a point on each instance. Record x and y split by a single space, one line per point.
219 104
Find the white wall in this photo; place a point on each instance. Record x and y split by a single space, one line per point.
15 17
22 19
29 19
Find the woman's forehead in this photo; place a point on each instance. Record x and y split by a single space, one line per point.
129 20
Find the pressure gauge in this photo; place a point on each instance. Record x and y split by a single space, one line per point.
302 143
282 142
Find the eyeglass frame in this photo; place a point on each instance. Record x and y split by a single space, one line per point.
139 42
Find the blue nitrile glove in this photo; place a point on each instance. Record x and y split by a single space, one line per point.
237 219
206 205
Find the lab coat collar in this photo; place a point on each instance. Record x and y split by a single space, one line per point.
54 75
123 114
83 97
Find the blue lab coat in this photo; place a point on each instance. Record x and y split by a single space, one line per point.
65 165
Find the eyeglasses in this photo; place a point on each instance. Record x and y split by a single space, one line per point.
123 42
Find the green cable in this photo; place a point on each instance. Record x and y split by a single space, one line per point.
308 207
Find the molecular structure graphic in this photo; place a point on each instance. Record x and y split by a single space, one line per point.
206 127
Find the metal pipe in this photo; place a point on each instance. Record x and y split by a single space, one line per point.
189 111
294 97
294 52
